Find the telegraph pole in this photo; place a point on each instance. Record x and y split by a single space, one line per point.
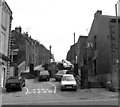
75 60
74 49
50 52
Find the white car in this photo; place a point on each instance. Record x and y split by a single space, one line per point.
68 82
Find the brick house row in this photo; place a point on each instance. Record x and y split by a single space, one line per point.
100 50
27 51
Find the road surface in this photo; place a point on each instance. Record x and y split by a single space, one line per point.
49 93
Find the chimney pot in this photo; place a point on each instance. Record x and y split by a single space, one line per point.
98 12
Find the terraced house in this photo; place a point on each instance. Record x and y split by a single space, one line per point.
26 52
5 29
103 55
100 50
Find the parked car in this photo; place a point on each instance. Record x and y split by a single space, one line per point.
44 75
15 82
60 74
68 82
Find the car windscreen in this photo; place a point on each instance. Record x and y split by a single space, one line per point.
12 80
68 78
44 73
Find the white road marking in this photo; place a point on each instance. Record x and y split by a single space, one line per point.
54 86
34 90
50 91
44 91
39 91
27 90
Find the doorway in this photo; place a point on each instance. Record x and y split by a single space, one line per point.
94 67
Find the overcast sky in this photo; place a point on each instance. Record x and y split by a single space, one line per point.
53 22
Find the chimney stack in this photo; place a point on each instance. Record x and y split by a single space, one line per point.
98 12
18 29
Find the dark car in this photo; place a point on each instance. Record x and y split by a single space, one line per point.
16 82
44 75
60 74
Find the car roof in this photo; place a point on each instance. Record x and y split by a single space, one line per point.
62 71
68 75
15 77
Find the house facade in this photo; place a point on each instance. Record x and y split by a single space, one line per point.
5 30
82 50
72 53
26 52
103 51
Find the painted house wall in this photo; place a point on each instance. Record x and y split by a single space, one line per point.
91 50
103 46
5 27
102 30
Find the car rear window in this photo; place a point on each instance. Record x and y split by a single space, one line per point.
61 72
67 78
44 73
12 80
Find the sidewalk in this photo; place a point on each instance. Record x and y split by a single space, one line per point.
104 92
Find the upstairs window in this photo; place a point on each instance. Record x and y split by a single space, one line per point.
4 20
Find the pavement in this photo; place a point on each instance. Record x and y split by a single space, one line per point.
103 92
99 91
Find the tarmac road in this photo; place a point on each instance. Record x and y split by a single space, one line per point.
49 93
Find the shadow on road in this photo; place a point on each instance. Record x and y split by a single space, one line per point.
11 91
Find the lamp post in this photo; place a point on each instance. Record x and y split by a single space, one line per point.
74 49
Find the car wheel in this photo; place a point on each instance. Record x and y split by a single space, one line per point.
75 89
20 88
48 79
61 89
7 89
39 80
24 85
